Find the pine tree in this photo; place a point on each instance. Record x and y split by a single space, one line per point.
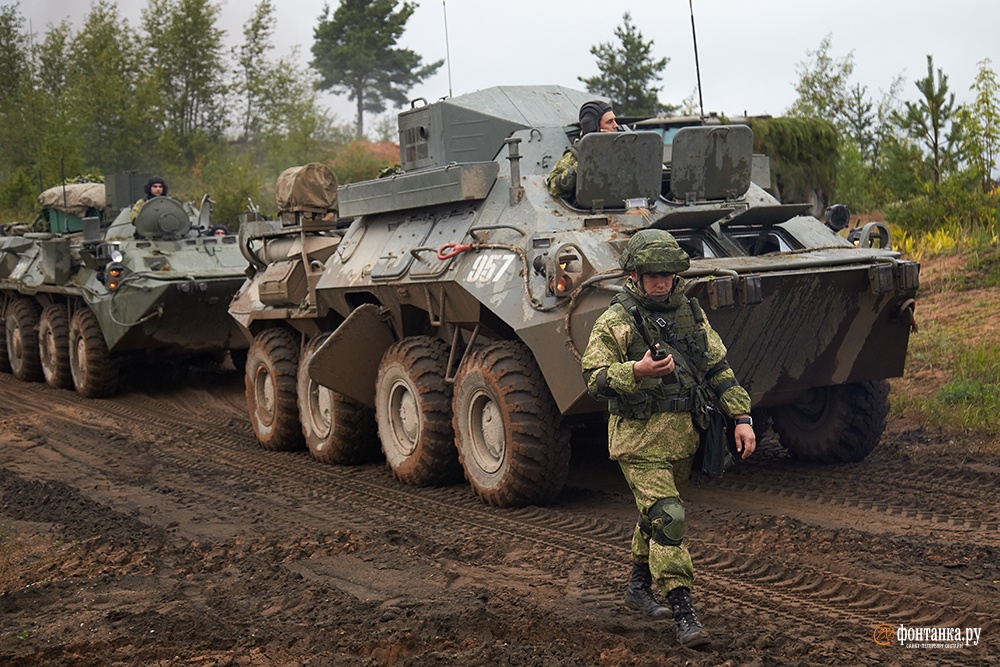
627 72
355 52
928 119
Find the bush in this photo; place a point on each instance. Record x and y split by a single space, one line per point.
956 206
363 160
232 183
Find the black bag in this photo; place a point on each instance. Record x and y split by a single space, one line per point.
717 450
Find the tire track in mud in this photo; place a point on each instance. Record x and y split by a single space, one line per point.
804 598
225 470
910 493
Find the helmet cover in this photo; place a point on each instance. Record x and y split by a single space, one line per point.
654 251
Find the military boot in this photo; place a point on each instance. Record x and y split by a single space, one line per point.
640 596
690 632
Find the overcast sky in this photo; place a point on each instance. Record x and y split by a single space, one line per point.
749 51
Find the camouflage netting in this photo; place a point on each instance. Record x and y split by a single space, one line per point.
311 188
74 198
804 153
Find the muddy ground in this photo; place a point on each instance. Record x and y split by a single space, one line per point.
149 529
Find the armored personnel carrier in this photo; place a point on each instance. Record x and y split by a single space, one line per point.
449 304
82 296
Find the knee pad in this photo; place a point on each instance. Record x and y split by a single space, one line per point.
666 520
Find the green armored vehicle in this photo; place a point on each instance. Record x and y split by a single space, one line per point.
448 306
82 296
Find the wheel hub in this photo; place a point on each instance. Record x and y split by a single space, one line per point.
47 350
321 409
487 432
265 395
81 357
16 346
404 415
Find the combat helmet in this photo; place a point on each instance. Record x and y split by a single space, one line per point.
654 251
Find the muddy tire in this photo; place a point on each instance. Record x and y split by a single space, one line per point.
4 359
53 346
93 369
337 430
21 328
271 368
413 411
837 424
511 440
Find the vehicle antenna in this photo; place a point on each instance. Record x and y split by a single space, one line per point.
62 171
697 67
447 50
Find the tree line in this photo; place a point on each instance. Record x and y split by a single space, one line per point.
925 160
168 96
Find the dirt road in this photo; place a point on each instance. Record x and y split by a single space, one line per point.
149 529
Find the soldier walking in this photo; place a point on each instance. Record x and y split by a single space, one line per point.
659 383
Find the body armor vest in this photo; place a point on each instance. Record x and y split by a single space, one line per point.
678 329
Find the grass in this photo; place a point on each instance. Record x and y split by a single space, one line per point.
982 270
952 377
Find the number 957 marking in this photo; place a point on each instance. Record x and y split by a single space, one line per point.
490 267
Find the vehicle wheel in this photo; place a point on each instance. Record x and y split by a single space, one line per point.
413 411
834 424
511 440
94 370
4 358
272 364
21 328
53 346
337 430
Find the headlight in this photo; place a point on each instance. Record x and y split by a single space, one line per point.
569 268
113 275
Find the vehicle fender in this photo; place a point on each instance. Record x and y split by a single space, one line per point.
347 361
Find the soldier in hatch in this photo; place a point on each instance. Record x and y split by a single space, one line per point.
657 407
155 187
596 116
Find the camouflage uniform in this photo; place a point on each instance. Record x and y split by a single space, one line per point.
561 182
137 206
652 427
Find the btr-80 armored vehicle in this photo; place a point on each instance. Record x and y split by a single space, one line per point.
77 299
454 299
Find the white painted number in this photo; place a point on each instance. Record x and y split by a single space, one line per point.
490 267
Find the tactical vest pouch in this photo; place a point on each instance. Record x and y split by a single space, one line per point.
634 406
701 407
716 450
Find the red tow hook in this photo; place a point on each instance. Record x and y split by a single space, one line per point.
449 250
